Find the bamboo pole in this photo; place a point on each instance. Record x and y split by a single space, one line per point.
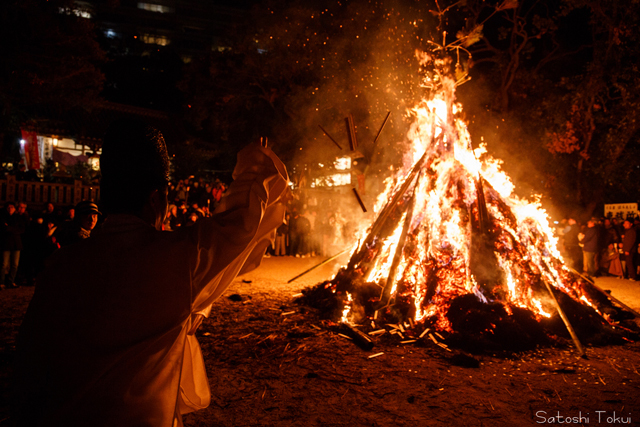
318 265
364 208
381 127
329 136
565 319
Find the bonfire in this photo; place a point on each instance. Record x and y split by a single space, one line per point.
454 254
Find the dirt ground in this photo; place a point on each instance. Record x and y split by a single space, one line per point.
272 362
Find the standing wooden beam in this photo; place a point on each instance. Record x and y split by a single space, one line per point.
351 132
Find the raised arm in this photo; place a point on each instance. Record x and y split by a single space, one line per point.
247 216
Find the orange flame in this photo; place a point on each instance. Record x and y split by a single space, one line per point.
445 221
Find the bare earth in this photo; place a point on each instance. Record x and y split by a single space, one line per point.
272 362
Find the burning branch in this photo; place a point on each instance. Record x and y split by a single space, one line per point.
386 293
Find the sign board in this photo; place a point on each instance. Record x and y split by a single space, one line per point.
621 210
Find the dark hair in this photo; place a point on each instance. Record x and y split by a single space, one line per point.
134 163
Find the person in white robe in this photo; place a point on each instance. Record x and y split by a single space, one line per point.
108 339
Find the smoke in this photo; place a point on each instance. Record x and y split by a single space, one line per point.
354 58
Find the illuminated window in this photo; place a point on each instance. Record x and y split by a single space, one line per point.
332 180
78 12
342 163
155 7
154 39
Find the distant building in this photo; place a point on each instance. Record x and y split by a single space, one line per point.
190 27
130 29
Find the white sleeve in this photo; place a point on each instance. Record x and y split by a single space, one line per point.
233 240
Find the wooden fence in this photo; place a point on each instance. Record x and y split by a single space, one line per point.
36 193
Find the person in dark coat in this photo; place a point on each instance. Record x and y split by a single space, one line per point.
630 248
571 244
50 215
80 227
609 248
281 239
294 236
12 226
195 193
303 228
39 243
590 248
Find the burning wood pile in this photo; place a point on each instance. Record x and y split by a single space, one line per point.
454 252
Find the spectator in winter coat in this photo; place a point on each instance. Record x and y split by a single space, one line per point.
12 226
280 248
196 191
630 249
571 244
609 248
39 244
590 248
303 228
294 236
181 192
50 215
80 227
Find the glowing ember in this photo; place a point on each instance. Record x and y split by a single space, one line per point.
346 309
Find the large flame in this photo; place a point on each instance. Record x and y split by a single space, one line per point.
457 205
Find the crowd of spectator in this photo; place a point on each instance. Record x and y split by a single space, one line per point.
312 232
192 199
601 246
29 236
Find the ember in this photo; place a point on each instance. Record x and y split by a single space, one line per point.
454 250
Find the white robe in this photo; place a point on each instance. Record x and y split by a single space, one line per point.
105 340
